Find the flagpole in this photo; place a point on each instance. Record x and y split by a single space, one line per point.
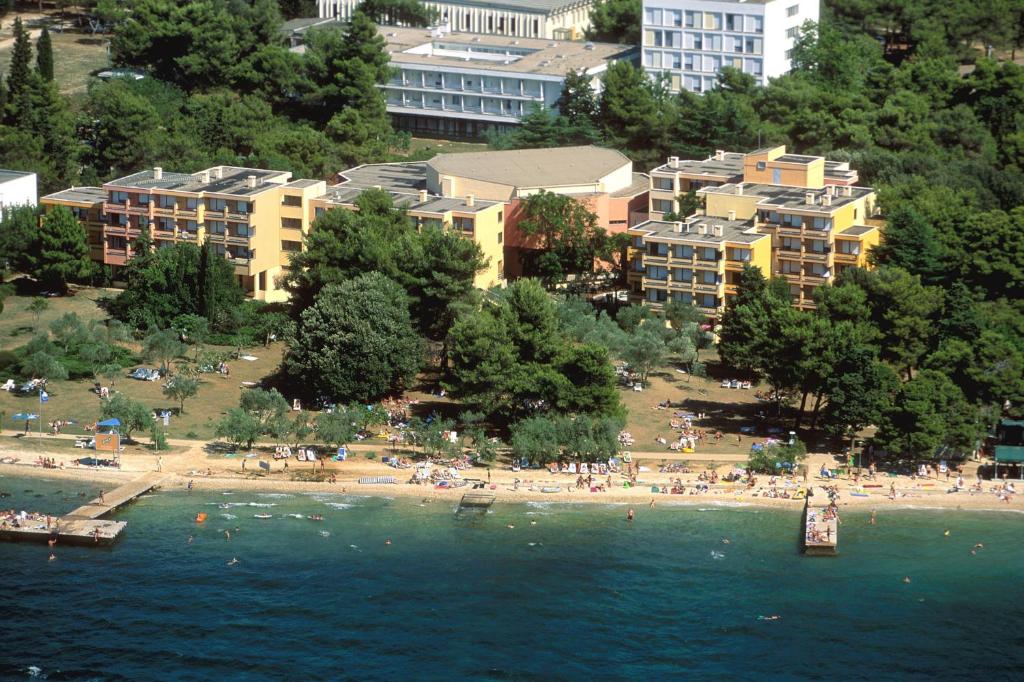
40 412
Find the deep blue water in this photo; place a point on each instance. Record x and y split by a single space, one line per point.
580 595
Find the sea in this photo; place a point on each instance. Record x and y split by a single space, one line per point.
400 589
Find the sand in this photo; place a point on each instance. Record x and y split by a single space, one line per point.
215 473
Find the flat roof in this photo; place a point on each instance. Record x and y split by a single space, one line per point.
301 183
553 167
233 181
729 166
484 52
742 231
793 198
347 195
856 230
796 158
641 183
6 175
399 177
79 195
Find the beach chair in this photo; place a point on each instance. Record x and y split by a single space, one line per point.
9 386
725 383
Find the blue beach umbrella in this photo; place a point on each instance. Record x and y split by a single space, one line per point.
109 422
24 417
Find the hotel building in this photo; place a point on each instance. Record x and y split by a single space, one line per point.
798 217
690 41
17 188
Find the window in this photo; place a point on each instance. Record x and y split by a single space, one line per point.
789 54
792 10
790 220
656 249
144 200
712 63
682 251
289 200
817 269
501 215
790 244
191 203
742 255
317 212
792 32
661 205
638 265
242 230
712 41
761 165
848 247
752 45
287 245
657 295
191 226
822 223
243 207
501 269
682 275
789 267
713 21
164 201
776 176
457 100
638 242
673 39
672 60
693 19
463 224
216 204
118 197
673 17
733 22
658 272
707 301
165 224
652 16
683 297
707 277
755 24
817 246
291 223
707 253
688 61
664 183
216 226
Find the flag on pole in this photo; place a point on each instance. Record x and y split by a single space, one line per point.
43 396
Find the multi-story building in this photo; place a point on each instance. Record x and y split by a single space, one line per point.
817 221
479 220
696 261
548 19
463 84
17 188
253 217
690 41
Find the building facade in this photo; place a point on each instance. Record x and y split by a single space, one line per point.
547 19
463 84
810 219
690 41
17 188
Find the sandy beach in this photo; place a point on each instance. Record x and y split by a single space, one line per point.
216 473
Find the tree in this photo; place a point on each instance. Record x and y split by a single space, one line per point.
263 405
645 351
636 112
536 439
337 428
64 251
68 330
19 237
776 458
273 325
239 427
399 12
578 105
37 307
125 131
43 365
180 389
615 21
43 130
162 345
928 412
44 55
21 62
859 391
193 329
912 244
355 342
133 415
568 234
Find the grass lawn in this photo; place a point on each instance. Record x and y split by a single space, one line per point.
18 324
75 55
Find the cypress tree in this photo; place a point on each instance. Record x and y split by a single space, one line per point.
206 284
21 59
44 55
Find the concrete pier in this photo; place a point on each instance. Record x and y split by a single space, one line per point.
820 534
84 525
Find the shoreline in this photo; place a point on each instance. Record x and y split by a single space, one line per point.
914 499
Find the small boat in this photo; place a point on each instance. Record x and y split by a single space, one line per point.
200 517
263 516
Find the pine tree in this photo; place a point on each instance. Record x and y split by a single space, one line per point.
64 251
21 59
44 55
206 285
40 112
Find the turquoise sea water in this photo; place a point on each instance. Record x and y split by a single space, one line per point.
581 594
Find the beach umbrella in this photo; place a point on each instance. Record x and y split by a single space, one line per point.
109 422
24 417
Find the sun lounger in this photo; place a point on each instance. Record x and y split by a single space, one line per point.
376 480
725 383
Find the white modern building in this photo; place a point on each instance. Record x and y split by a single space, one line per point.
17 188
690 41
461 84
553 19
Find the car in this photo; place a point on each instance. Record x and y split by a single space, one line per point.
145 374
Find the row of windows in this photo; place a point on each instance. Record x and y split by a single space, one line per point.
190 203
702 300
710 42
794 220
684 251
790 267
660 272
714 21
696 62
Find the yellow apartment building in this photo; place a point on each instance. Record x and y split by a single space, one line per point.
251 216
814 219
696 261
480 221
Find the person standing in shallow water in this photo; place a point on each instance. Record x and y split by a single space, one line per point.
629 515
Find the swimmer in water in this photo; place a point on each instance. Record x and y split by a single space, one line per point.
388 541
872 519
906 579
945 533
511 525
533 523
629 515
189 541
227 535
726 541
234 560
769 617
53 557
979 546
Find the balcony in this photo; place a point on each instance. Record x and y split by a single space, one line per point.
736 265
656 283
815 256
811 278
115 256
655 260
792 277
109 207
846 258
705 288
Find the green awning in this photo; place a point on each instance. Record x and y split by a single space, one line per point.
1009 453
1012 422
